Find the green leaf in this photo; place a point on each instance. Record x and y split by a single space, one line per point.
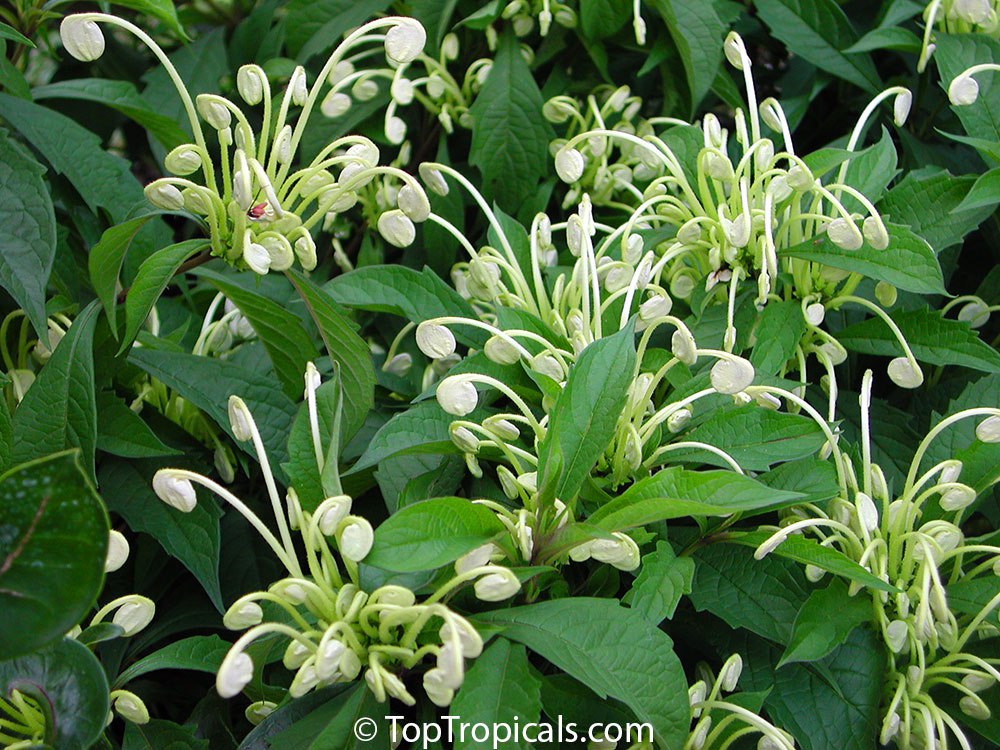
663 579
813 478
199 653
314 26
755 437
810 552
120 96
779 330
208 384
600 19
820 33
908 262
52 551
676 493
28 242
162 9
509 140
68 682
824 622
698 33
323 702
432 533
934 339
762 596
9 32
585 415
345 347
926 201
122 432
157 734
153 276
954 54
6 433
834 703
105 263
192 538
970 596
870 171
100 633
59 410
279 330
892 37
615 652
985 192
338 732
499 689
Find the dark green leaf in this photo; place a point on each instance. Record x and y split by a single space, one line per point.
779 330
52 551
315 26
161 9
825 621
509 140
105 263
603 18
499 689
432 533
158 734
984 192
199 653
59 410
122 432
587 639
697 32
9 32
663 579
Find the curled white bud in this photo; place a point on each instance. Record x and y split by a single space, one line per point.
815 314
499 349
257 258
978 681
731 375
405 41
356 539
183 160
988 430
397 228
730 673
497 586
844 234
331 512
683 346
875 233
434 340
335 104
412 201
250 82
463 438
176 491
234 674
735 50
297 86
457 396
895 635
305 251
678 420
975 313
476 558
972 11
82 38
134 615
622 552
569 165
118 550
164 195
130 707
904 373
395 130
240 419
242 615
963 90
958 498
973 705
214 111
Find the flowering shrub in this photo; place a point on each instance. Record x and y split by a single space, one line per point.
387 373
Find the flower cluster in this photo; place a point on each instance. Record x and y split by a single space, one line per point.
258 206
334 628
956 17
891 536
523 14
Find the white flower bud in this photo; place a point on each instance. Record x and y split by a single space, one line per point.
731 376
988 430
397 228
250 82
495 587
395 130
214 111
622 552
183 160
978 681
243 615
730 673
499 349
885 294
434 340
875 233
297 86
548 365
735 50
815 314
257 258
283 145
457 396
401 90
240 419
800 178
364 89
904 373
164 195
356 539
433 179
175 491
901 107
335 104
463 438
475 558
118 550
678 420
844 234
890 728
328 658
683 346
963 90
405 41
434 685
867 512
957 498
458 628
412 201
972 11
305 250
814 574
234 674
718 166
895 635
973 705
258 711
569 165
82 38
130 707
657 306
134 615
975 313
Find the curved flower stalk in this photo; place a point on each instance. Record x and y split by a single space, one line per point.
335 631
727 220
930 643
718 723
258 206
956 17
